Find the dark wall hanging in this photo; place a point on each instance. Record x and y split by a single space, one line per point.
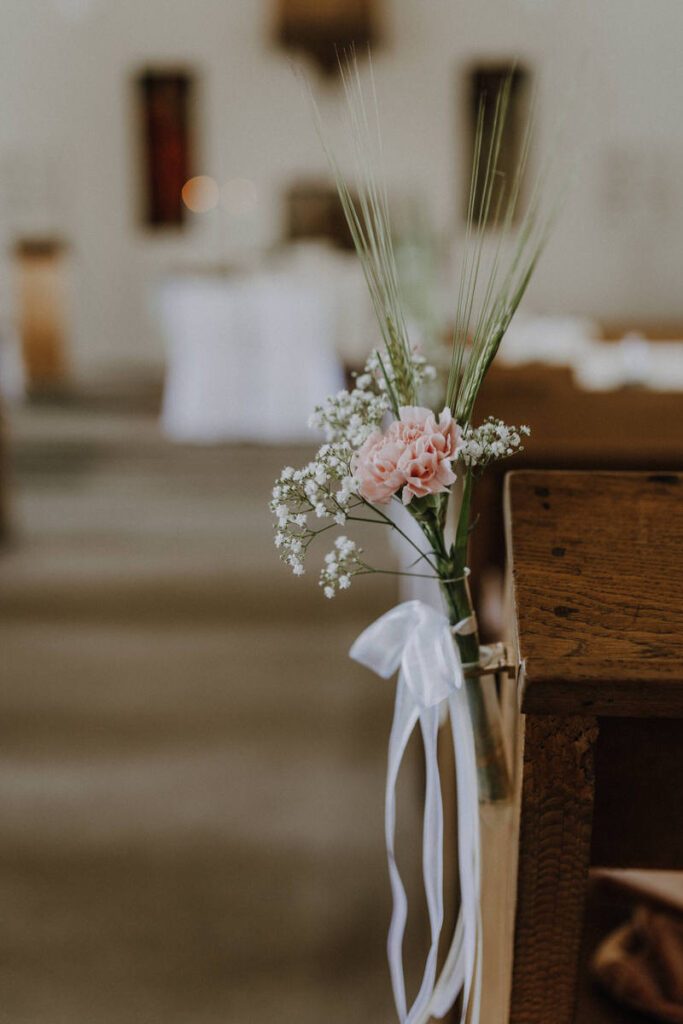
324 28
313 211
164 104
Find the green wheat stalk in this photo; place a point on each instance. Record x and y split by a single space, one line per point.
488 301
490 288
367 216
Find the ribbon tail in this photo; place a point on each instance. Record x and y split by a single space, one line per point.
469 851
461 971
432 858
452 976
405 719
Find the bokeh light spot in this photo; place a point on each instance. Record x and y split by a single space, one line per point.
201 194
239 197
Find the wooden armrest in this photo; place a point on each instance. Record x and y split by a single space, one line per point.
598 592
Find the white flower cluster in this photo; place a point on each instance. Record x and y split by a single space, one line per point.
490 441
341 563
350 415
323 489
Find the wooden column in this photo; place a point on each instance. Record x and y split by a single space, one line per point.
42 310
598 620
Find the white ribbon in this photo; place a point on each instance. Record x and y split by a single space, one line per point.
417 639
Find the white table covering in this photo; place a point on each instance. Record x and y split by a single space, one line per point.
249 356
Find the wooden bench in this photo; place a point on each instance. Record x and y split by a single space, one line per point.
597 623
629 429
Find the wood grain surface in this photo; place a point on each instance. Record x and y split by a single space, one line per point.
570 429
598 591
554 858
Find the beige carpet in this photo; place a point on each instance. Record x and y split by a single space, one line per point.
191 770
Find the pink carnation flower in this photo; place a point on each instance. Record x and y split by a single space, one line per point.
375 467
415 454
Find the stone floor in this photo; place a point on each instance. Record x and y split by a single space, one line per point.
191 770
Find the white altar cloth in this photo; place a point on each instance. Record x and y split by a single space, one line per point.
249 355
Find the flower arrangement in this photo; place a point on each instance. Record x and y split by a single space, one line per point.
384 452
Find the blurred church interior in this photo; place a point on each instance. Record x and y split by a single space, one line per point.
192 770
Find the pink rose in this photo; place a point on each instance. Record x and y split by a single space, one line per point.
415 454
375 468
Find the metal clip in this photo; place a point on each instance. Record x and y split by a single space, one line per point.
495 660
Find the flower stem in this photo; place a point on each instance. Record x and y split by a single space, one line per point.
390 522
492 768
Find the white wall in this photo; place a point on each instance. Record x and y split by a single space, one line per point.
67 159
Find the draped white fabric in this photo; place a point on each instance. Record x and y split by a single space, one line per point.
416 640
249 357
596 365
250 354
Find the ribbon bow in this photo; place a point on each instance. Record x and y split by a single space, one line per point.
417 640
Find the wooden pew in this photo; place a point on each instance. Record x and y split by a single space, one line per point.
629 429
596 720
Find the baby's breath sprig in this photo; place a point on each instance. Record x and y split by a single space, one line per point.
341 564
490 441
323 489
351 416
